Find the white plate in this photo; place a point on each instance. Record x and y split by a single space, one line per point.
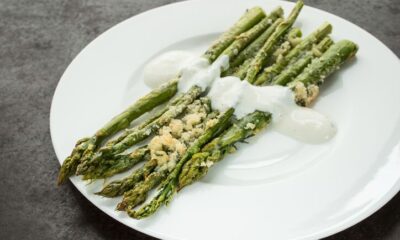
274 188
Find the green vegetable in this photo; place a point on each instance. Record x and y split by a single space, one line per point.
86 147
246 38
134 137
252 49
119 187
259 60
251 52
138 194
118 164
247 21
170 185
270 72
295 69
199 164
215 151
330 61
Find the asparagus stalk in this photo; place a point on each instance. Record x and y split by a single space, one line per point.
248 20
151 119
330 61
252 49
244 39
266 50
306 84
215 151
169 185
295 69
85 147
118 164
241 71
270 72
119 187
138 194
291 39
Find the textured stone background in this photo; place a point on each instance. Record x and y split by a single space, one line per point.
38 39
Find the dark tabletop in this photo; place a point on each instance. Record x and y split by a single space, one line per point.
38 39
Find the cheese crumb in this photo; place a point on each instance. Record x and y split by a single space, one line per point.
300 93
211 123
193 119
250 126
312 93
176 127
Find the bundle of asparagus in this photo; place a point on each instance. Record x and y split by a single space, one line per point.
187 135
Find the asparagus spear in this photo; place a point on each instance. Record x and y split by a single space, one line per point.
248 20
119 187
151 119
138 194
169 185
295 69
107 153
214 151
243 60
306 84
265 51
244 39
85 147
291 39
270 72
330 61
118 164
252 49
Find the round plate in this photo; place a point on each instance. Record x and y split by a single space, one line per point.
275 187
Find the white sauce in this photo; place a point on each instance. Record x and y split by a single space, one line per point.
165 67
301 123
199 72
304 124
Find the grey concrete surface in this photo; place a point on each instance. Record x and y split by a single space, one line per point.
38 39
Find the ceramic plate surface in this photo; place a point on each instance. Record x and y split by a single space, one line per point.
275 187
